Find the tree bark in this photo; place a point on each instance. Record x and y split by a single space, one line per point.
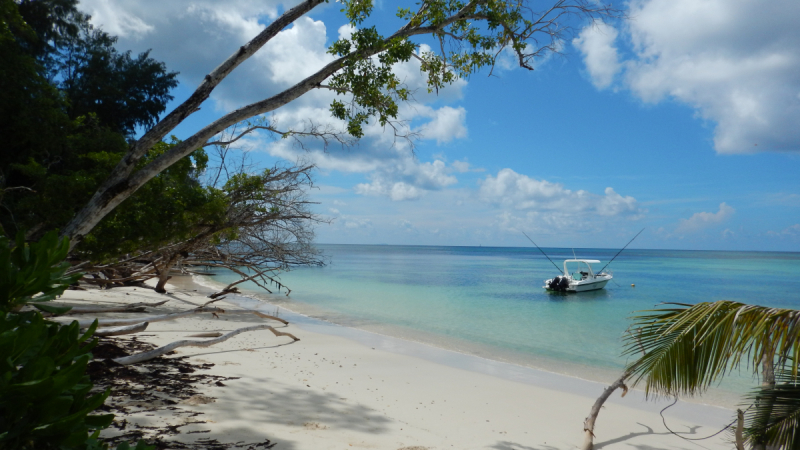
588 424
767 381
739 430
120 184
144 356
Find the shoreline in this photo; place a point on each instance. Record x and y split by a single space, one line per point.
460 356
328 391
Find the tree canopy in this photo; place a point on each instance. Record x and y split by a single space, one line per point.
471 35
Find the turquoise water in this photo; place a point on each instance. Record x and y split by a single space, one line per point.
490 301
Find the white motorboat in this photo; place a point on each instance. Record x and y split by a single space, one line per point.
578 277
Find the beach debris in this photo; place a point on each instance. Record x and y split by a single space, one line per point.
229 290
206 335
172 316
139 357
133 401
132 307
118 331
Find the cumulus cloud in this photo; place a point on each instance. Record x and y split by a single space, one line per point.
408 180
703 220
792 231
194 36
735 62
446 124
521 192
596 43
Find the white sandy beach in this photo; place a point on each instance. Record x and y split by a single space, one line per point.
340 388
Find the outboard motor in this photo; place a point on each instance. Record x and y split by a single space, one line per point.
559 284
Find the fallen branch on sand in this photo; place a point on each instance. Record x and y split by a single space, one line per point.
116 322
139 357
133 307
118 331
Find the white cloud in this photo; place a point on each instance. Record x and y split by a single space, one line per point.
407 180
447 124
599 53
194 36
702 220
116 21
792 231
734 61
520 192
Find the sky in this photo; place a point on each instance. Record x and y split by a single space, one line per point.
682 119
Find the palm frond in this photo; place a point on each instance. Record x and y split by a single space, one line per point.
774 418
686 348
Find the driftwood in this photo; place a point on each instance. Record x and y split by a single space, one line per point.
144 356
588 424
267 316
206 335
117 331
228 290
132 307
119 322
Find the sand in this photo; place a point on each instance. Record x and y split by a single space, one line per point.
340 388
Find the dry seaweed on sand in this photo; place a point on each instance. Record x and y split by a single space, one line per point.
179 382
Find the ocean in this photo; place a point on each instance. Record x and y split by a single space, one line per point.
489 301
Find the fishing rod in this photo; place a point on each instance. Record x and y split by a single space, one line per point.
545 254
623 248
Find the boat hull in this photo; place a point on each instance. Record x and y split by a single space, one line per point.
591 286
581 286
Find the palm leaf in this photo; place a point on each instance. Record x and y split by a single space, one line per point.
774 418
686 348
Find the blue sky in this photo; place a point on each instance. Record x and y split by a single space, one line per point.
683 119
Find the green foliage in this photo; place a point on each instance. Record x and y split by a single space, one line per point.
62 140
44 390
775 416
122 91
468 36
687 348
33 271
171 207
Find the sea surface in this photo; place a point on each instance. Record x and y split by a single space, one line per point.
489 301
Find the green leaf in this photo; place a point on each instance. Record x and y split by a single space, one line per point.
52 309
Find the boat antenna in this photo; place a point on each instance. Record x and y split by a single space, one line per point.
545 254
623 248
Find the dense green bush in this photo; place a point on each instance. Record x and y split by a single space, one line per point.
44 401
33 272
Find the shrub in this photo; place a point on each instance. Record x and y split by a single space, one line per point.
44 389
33 272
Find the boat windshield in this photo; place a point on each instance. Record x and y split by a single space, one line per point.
579 270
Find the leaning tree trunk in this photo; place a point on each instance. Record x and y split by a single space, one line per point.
767 382
588 424
123 181
163 273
